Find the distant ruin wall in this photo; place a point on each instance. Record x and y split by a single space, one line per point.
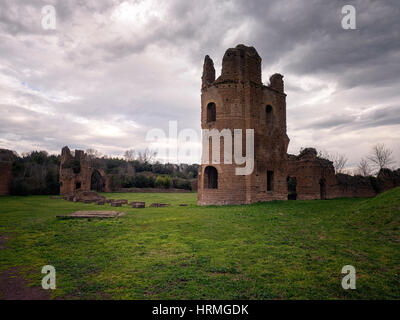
5 177
6 162
353 187
316 179
388 179
76 173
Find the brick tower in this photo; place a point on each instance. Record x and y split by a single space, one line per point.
238 99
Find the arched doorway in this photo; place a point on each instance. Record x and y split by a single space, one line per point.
322 188
292 188
210 178
97 182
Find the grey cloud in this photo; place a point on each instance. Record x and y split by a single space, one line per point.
383 116
380 117
366 55
148 78
334 121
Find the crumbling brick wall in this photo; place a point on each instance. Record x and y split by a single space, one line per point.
353 187
316 179
6 162
76 172
315 176
388 179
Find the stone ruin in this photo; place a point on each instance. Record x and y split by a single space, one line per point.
84 196
311 177
388 179
7 158
238 99
138 204
77 174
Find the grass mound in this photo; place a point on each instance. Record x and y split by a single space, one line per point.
379 214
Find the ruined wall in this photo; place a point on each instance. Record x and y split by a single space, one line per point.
194 185
242 102
388 179
316 179
353 187
6 161
76 173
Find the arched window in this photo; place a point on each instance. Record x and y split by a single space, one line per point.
268 114
211 112
210 178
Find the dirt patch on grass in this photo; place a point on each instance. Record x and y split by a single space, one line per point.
14 287
4 237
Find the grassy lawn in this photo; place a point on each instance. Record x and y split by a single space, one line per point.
275 250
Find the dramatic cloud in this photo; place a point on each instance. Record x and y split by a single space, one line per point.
113 70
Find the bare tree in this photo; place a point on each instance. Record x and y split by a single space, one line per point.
93 153
147 156
339 160
130 154
324 154
364 168
381 157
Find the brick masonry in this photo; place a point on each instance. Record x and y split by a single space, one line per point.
242 101
6 161
76 173
238 99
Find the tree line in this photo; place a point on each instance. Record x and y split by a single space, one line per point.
37 172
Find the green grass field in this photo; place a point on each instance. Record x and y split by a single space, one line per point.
275 250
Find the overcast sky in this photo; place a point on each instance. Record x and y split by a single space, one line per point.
113 70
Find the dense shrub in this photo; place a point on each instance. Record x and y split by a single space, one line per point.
35 173
182 184
163 182
377 184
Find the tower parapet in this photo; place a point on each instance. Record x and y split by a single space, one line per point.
241 64
276 82
208 72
